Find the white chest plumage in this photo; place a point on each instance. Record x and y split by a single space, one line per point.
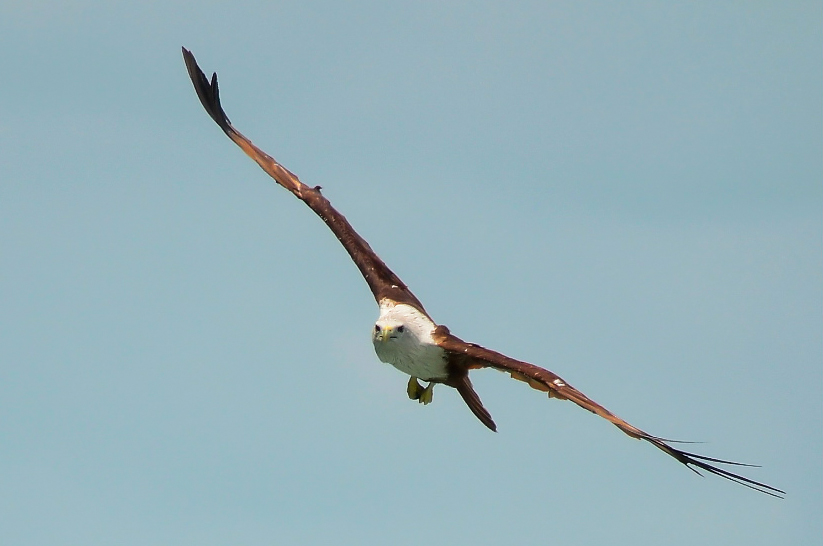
402 337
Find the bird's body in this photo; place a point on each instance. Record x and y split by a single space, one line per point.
406 337
403 337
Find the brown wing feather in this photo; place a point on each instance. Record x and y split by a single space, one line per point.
546 381
381 280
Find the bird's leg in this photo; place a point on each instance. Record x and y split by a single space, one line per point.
414 389
426 395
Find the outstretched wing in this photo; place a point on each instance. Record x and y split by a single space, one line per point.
541 379
381 280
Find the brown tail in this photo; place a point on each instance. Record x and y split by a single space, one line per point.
464 387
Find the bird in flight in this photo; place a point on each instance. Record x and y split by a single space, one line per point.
406 337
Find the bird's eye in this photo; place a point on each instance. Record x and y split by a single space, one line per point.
401 328
376 327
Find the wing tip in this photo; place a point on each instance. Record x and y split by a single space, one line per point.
693 462
207 91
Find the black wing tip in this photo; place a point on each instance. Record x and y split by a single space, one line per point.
694 462
738 479
207 91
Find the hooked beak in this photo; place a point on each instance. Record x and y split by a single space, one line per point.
385 334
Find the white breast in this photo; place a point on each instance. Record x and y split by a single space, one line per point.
413 351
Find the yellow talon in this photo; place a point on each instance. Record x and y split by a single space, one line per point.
414 389
427 394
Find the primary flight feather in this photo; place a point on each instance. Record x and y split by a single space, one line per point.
406 337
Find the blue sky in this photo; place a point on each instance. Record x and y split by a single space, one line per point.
629 195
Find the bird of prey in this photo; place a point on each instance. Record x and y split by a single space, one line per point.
406 337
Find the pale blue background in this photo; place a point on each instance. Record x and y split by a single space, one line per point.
629 194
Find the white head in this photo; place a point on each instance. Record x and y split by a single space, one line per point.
402 336
400 323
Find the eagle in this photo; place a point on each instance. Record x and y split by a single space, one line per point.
406 336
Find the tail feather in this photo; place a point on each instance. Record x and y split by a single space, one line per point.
464 387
